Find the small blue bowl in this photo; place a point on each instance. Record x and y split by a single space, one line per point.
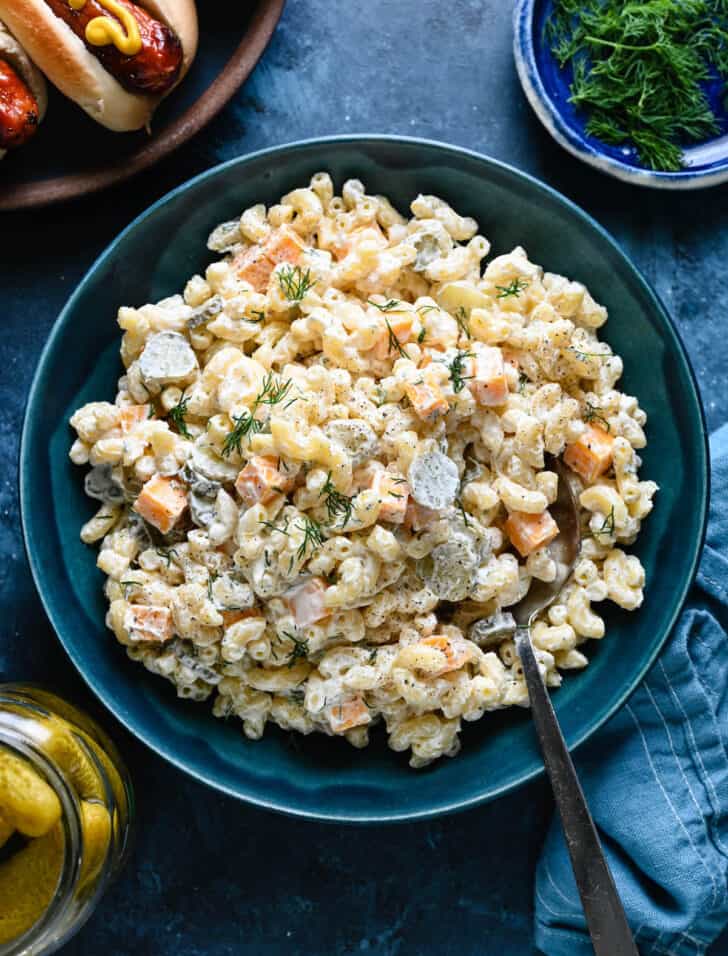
547 87
318 776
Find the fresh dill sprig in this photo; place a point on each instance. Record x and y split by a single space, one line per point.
274 527
177 414
391 305
300 648
423 309
295 283
313 537
394 344
259 316
463 320
421 336
380 397
273 391
514 288
456 368
337 504
593 413
246 425
607 527
583 356
127 586
463 512
167 554
640 70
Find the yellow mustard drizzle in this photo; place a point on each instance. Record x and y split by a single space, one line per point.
123 32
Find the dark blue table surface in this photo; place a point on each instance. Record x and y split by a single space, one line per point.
209 875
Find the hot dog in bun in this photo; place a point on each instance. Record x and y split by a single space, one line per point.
115 58
22 94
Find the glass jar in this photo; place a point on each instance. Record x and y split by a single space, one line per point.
66 806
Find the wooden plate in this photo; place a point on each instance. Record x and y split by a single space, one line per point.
73 156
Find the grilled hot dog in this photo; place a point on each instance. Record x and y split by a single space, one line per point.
154 69
22 94
115 58
19 113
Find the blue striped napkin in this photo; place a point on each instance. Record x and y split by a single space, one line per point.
656 778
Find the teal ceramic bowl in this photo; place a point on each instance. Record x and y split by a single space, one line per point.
317 776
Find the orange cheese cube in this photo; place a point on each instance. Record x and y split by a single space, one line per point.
488 385
342 244
528 533
456 653
347 714
148 623
428 401
305 601
131 415
417 517
161 502
284 245
253 266
431 355
232 617
260 481
400 324
510 357
393 494
591 454
256 264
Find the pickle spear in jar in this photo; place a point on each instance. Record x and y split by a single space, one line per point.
28 878
27 802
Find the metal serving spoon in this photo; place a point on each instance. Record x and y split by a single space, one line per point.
608 927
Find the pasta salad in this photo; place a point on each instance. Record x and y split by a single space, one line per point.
325 477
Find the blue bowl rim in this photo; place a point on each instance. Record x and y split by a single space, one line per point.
554 122
158 747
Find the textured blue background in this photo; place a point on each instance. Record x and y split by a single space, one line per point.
210 875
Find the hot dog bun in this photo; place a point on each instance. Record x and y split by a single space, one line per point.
16 56
77 73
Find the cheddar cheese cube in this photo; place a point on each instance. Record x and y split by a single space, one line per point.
284 245
399 327
427 400
232 617
305 601
147 622
131 415
417 517
489 384
456 654
347 714
393 493
342 244
261 480
253 266
510 357
529 532
591 454
161 502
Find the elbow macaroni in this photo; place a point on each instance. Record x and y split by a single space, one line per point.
273 521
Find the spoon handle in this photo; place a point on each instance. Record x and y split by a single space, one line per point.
608 926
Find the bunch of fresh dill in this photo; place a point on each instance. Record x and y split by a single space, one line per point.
640 68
